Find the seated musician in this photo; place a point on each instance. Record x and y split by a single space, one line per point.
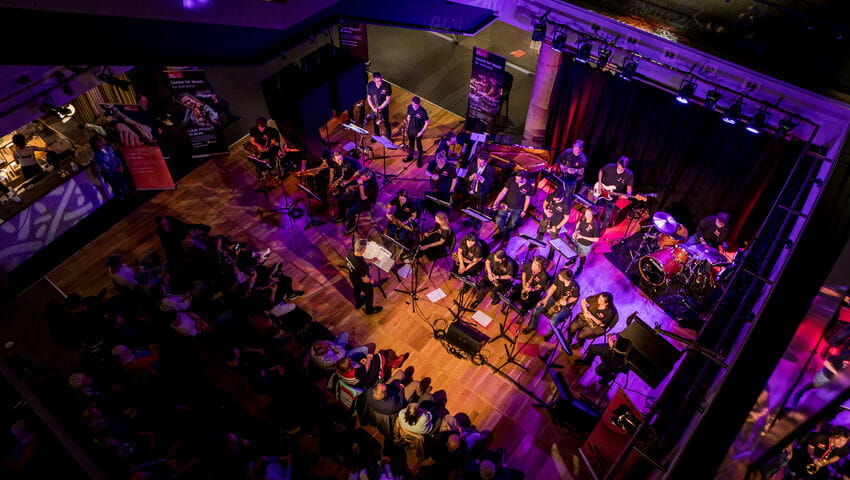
557 304
434 244
712 230
265 141
342 170
585 235
569 166
359 197
449 144
499 270
611 360
528 292
480 181
469 256
402 217
597 314
512 204
555 215
443 177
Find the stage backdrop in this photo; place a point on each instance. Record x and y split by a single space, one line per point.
695 162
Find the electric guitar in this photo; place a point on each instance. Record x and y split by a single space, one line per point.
606 192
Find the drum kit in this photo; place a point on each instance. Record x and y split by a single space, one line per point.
663 257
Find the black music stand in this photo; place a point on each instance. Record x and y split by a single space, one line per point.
385 144
460 299
562 254
313 222
510 354
531 241
414 281
504 325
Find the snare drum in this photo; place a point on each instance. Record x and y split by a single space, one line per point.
657 267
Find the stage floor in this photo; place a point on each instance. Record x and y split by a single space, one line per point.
221 193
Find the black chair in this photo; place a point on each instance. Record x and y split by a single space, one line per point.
451 241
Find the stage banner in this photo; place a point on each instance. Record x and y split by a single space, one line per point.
191 90
485 90
138 144
353 39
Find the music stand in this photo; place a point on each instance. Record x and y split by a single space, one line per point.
414 282
504 325
460 299
559 246
531 241
313 222
385 144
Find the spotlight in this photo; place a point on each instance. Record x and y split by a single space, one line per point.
559 42
686 91
758 121
733 113
583 52
628 70
711 99
785 126
604 56
110 79
539 32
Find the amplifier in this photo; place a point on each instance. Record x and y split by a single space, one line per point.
466 337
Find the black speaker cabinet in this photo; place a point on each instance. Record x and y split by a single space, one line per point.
648 354
466 337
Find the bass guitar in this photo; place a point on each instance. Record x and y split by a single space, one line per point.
606 192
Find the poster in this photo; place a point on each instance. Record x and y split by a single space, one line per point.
198 112
353 39
485 90
137 139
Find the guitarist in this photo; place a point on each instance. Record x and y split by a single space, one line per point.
265 141
570 167
378 95
616 178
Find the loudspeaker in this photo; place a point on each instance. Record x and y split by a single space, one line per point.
466 337
574 414
648 354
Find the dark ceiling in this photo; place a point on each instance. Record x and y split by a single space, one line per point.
805 43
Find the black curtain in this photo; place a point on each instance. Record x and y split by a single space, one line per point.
696 163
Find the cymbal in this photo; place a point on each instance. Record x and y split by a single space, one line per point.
355 128
704 252
665 223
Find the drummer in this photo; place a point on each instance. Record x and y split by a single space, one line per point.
712 231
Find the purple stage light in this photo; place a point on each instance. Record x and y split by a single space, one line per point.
733 113
686 92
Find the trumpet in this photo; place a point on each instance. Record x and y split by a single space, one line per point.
310 172
812 468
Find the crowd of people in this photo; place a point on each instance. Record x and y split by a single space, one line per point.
203 366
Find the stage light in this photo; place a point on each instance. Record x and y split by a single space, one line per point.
539 32
758 121
559 42
583 53
733 113
711 99
785 126
604 56
686 91
628 70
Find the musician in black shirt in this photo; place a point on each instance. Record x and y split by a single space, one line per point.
342 171
586 234
434 244
469 256
417 123
265 140
358 273
402 217
378 95
712 230
359 197
820 449
512 205
447 144
556 212
616 178
570 166
499 270
563 293
443 176
596 316
611 360
480 179
528 292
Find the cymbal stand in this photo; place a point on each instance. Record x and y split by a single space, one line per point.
635 255
634 215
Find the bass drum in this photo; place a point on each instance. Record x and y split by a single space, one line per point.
657 267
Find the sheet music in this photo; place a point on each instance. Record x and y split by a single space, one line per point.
404 271
383 257
461 172
436 295
482 318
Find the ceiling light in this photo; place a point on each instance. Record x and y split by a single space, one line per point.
559 42
733 113
583 52
539 32
785 126
686 91
629 69
711 99
604 56
758 121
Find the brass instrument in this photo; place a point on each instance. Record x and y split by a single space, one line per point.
310 172
524 294
403 132
812 468
559 305
409 225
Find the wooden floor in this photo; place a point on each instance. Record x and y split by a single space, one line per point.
221 193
